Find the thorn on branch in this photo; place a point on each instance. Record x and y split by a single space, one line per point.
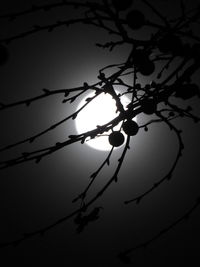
169 176
100 129
73 99
46 91
67 24
74 116
42 233
51 28
83 221
83 140
156 185
88 99
31 140
196 120
86 86
25 154
124 258
58 145
84 207
52 127
108 161
75 199
101 76
81 196
38 159
93 175
66 93
27 103
138 200
181 146
59 22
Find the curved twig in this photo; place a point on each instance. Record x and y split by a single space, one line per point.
43 230
124 255
168 176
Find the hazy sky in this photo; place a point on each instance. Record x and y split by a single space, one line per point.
35 195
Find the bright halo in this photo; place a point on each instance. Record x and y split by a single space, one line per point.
98 112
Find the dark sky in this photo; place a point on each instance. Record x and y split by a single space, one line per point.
33 196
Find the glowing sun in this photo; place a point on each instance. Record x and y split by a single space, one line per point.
98 112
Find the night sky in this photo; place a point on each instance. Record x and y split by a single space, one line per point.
33 196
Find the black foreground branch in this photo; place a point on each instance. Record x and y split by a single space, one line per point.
171 56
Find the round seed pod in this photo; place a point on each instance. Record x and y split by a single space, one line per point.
147 68
135 19
130 127
116 139
149 106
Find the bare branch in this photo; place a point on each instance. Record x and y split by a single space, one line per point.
168 176
124 255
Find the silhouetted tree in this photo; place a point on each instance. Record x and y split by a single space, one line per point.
170 55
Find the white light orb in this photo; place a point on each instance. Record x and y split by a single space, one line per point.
98 112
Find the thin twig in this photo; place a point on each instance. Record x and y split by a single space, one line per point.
124 254
168 176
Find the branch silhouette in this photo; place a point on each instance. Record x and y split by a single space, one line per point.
165 56
124 255
168 176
